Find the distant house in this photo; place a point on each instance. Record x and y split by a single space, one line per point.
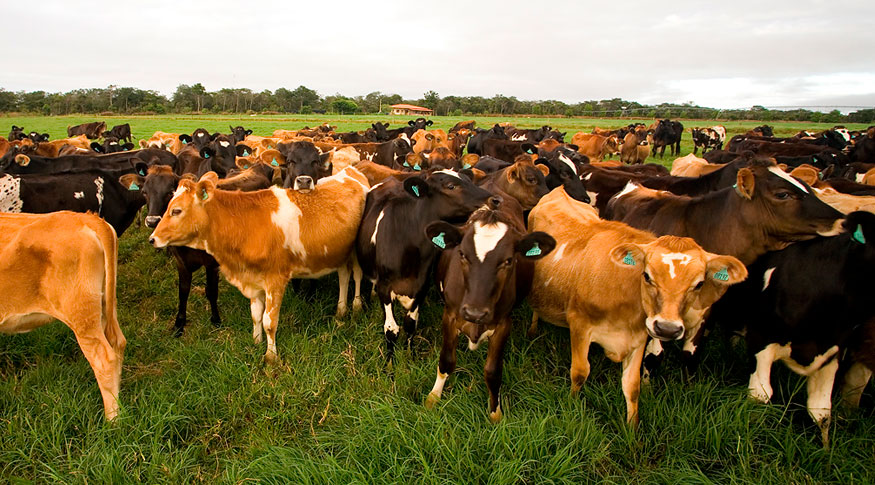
409 109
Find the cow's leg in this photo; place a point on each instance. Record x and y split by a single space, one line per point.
855 381
696 148
357 284
184 269
580 341
533 328
447 361
689 359
212 292
390 327
632 383
760 385
343 282
256 308
493 369
820 397
272 303
411 318
652 359
103 358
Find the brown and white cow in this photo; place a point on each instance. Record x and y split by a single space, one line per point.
616 285
63 265
164 141
263 239
596 147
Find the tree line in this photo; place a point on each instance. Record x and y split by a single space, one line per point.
303 100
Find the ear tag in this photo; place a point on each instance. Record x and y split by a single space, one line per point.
858 235
466 166
417 167
737 190
628 259
134 186
206 155
536 251
245 153
274 163
439 240
722 275
183 142
415 190
406 164
245 167
205 196
142 173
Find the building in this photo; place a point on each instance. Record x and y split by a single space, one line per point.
410 110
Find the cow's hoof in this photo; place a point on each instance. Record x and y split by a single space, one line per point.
431 400
271 358
496 416
357 304
341 311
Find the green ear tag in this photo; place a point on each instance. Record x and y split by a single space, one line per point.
628 259
466 166
245 153
439 240
134 186
535 251
245 167
205 196
406 164
858 235
417 167
183 142
274 163
206 155
722 275
415 190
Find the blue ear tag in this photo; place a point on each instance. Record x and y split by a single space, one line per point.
722 275
466 166
134 186
535 251
858 235
245 153
628 259
206 155
183 142
415 190
245 167
439 240
205 196
274 163
417 167
406 164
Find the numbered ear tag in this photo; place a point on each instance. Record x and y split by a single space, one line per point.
415 190
722 275
274 163
535 251
628 259
858 235
439 240
206 155
134 186
245 153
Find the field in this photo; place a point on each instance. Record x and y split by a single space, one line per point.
205 408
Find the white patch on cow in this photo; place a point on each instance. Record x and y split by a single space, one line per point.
571 164
767 278
482 338
671 258
547 283
200 134
405 300
486 237
78 195
342 177
113 143
630 187
448 172
438 388
689 346
370 156
780 173
10 194
375 186
518 138
720 131
820 385
560 251
814 366
389 325
588 176
287 218
441 286
377 227
224 144
99 183
654 347
859 178
844 133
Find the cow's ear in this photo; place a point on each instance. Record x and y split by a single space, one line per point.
529 148
97 147
725 270
244 163
248 132
128 146
142 168
207 152
185 139
22 159
744 183
243 150
535 245
414 161
805 174
273 157
143 143
410 123
443 234
206 185
429 123
470 160
416 187
543 168
132 181
325 160
628 255
214 136
827 172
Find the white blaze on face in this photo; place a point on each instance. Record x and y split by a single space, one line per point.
449 172
628 188
287 218
486 237
780 173
518 138
10 194
671 258
859 178
224 144
571 165
767 278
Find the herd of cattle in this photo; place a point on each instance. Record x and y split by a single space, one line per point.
773 238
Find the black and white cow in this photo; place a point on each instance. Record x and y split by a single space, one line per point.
391 245
475 143
708 138
304 166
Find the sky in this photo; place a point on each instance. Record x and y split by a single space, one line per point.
718 54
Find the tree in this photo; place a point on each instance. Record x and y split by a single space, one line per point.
430 99
344 105
198 91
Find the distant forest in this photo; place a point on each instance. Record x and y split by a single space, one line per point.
303 100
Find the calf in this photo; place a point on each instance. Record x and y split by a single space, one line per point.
74 282
120 132
111 145
285 232
481 281
596 147
708 138
17 133
506 150
667 134
805 305
91 130
523 181
239 133
615 285
391 245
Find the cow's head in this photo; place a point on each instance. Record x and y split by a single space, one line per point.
420 123
451 194
157 184
239 133
381 130
111 145
524 181
564 164
674 273
486 254
304 165
186 213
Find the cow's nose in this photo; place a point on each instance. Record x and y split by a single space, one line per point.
152 240
303 182
152 221
475 315
668 330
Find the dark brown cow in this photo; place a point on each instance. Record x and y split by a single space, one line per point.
91 130
120 132
506 150
523 181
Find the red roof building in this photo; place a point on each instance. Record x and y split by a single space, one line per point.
409 109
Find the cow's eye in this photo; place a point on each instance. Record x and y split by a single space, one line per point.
699 285
451 186
175 212
647 278
508 261
783 195
531 180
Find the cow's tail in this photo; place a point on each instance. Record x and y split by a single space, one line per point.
109 241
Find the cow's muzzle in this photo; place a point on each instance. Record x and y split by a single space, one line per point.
152 221
663 329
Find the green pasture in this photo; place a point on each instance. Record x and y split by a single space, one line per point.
204 408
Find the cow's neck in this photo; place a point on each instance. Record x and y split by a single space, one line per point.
724 226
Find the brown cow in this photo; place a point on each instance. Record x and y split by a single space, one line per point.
263 239
614 285
52 148
91 130
63 265
596 147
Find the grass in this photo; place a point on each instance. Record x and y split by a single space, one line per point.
204 408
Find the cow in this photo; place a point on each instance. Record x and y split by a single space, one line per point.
20 163
367 136
120 132
463 125
693 166
481 281
51 149
164 141
202 155
616 285
596 147
475 144
523 181
763 130
805 305
425 141
64 266
157 187
389 153
92 130
708 138
634 150
17 133
564 164
391 246
667 133
286 236
506 150
37 137
239 133
531 136
304 164
111 145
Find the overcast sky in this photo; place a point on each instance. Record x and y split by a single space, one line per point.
720 54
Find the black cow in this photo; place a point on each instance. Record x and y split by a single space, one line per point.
17 133
805 305
481 281
304 166
91 130
475 144
120 132
391 245
37 137
506 150
111 145
204 154
239 133
667 133
16 162
367 136
565 164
